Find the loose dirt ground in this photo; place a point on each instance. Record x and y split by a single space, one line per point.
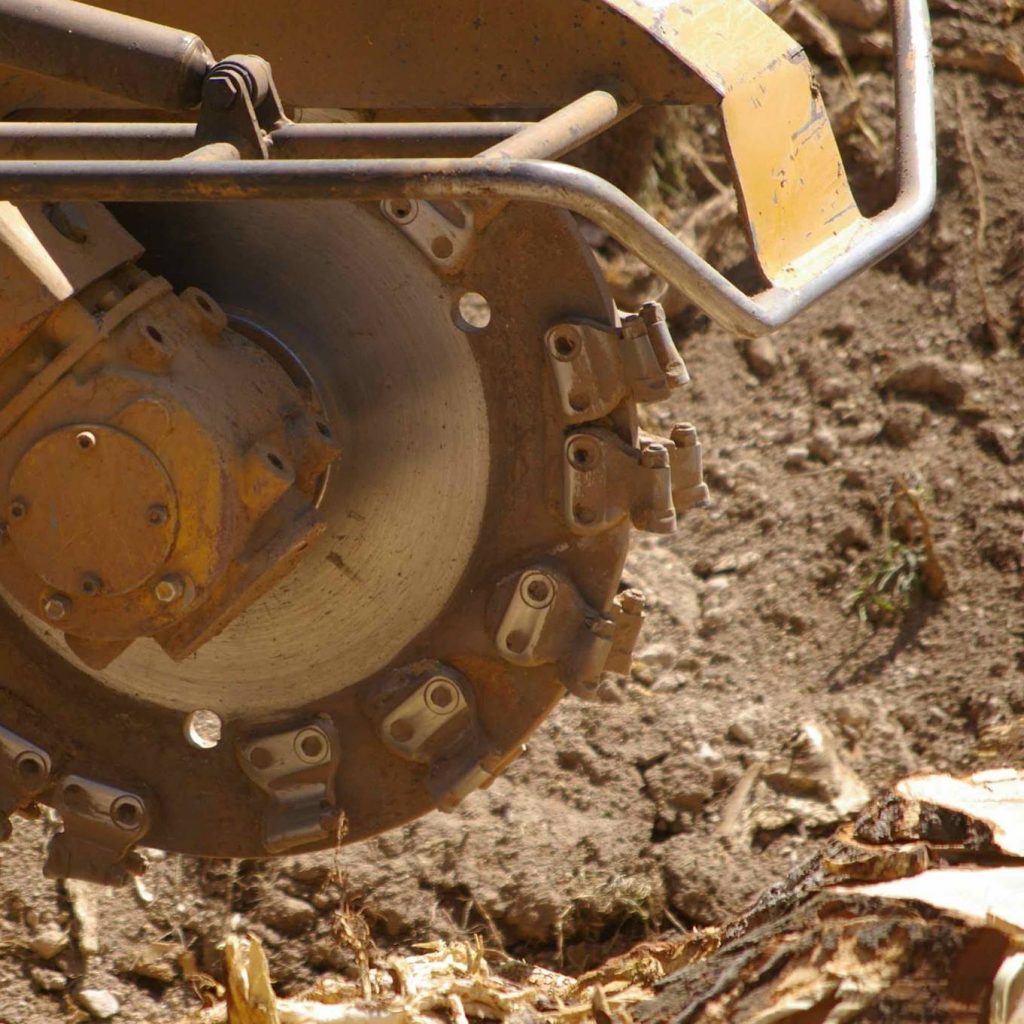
620 821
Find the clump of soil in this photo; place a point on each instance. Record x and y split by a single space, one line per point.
616 825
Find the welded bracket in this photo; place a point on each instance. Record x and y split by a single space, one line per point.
607 480
24 774
422 710
596 366
296 769
629 620
443 232
101 824
687 460
548 621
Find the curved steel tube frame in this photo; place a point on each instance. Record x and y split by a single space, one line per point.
512 170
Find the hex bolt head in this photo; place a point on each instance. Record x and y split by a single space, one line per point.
652 313
684 435
169 589
220 91
654 456
56 607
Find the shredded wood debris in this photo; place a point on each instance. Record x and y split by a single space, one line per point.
843 935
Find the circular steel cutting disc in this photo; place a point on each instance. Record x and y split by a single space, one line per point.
450 483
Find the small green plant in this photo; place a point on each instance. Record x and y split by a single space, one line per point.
889 589
908 565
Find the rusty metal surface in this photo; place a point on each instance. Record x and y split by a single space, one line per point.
141 498
446 54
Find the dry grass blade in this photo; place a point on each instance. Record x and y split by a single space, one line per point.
250 995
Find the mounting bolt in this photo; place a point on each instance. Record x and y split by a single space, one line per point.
632 601
654 456
69 220
169 589
220 91
684 435
156 515
56 607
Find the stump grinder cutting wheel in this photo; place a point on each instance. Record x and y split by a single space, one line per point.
319 450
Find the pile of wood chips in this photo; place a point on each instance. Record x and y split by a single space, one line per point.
915 911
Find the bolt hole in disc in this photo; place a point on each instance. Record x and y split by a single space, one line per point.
401 211
260 758
442 247
401 730
473 312
126 813
86 439
516 642
564 346
441 696
203 729
312 746
30 766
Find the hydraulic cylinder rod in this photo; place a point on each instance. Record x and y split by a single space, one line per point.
152 64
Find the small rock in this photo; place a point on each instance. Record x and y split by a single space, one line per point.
866 432
708 755
934 378
742 731
98 1003
1011 500
659 655
850 535
997 438
903 425
824 445
832 389
796 457
747 561
157 961
762 356
47 980
287 914
48 942
855 478
862 14
727 563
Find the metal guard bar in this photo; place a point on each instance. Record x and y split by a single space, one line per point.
498 176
